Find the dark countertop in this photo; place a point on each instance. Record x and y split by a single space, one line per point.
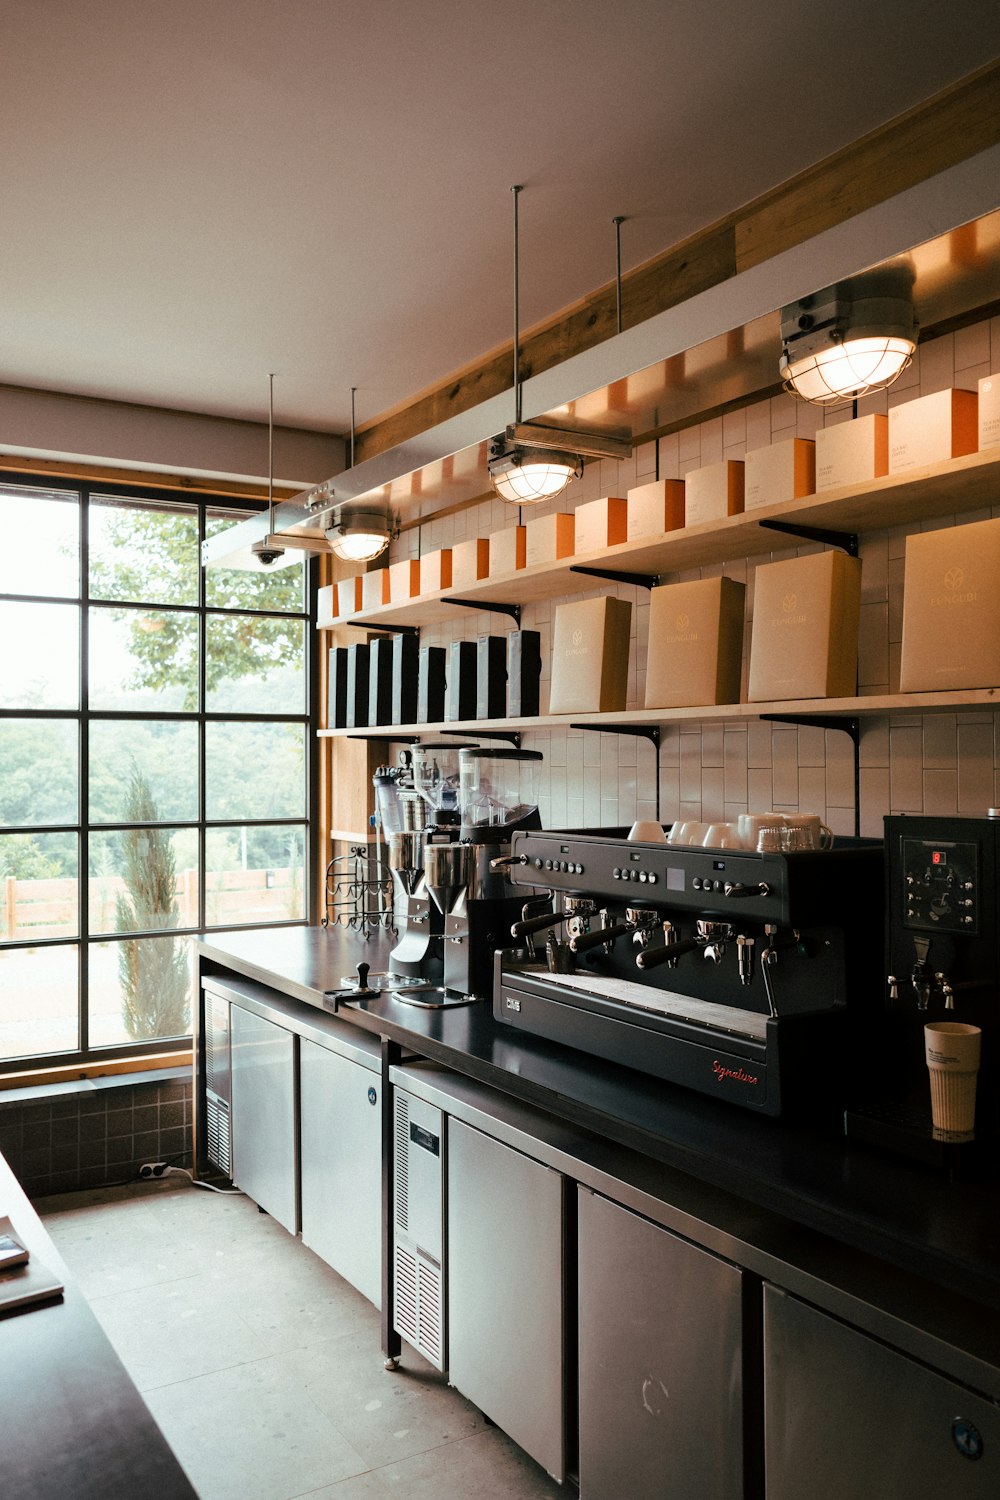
74 1424
908 1216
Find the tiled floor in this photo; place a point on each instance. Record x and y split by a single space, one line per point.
262 1366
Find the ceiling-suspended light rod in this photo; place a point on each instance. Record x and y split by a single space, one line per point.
618 221
849 339
529 464
361 530
268 550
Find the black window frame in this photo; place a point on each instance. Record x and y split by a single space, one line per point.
203 502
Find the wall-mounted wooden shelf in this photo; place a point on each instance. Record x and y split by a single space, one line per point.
798 708
962 485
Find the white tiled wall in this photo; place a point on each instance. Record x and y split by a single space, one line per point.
935 763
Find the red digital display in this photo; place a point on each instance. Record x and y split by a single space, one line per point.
938 857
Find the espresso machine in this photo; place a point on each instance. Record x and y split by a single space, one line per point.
457 807
729 971
942 963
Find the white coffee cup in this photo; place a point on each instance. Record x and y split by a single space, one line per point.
721 836
952 1049
695 833
678 832
647 831
818 836
748 825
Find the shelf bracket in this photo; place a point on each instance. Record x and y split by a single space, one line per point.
513 610
845 724
384 732
640 580
847 541
388 628
512 736
650 732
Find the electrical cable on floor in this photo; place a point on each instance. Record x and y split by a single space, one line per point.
197 1181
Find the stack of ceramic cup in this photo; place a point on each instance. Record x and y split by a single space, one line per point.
768 833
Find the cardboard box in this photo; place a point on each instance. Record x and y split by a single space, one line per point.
404 580
933 429
695 643
436 571
524 669
491 677
336 707
804 643
380 679
357 687
348 596
989 411
470 561
326 605
599 524
590 641
655 508
548 538
461 697
781 471
951 609
852 452
375 588
405 667
507 550
714 491
431 685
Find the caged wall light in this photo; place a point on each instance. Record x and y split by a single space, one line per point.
849 339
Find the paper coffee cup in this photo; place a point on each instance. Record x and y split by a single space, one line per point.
952 1052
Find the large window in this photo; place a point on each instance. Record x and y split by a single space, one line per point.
154 763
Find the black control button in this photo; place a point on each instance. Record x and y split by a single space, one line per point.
696 883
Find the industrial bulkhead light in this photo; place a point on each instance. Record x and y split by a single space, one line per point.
849 339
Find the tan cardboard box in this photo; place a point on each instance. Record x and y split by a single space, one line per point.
989 411
375 588
695 643
951 609
326 604
852 452
782 471
714 491
436 571
547 538
470 561
599 524
590 656
932 430
655 508
507 550
348 595
404 580
804 643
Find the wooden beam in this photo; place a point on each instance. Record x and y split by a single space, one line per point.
83 473
953 125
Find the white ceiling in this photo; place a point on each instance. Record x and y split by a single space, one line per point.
197 192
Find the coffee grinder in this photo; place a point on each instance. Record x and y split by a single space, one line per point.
942 964
468 880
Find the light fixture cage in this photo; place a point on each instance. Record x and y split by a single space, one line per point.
850 339
525 475
361 533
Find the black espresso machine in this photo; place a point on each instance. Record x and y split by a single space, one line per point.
728 971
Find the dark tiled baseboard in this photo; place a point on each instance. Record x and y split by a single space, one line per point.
94 1139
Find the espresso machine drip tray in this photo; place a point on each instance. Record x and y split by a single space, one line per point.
727 1018
426 996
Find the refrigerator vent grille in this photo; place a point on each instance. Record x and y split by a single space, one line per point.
418 1304
402 1162
219 1141
217 1046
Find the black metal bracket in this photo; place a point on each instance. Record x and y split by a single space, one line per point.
512 736
384 732
513 610
845 724
650 732
640 580
847 541
388 627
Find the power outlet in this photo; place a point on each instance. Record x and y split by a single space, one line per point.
153 1169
